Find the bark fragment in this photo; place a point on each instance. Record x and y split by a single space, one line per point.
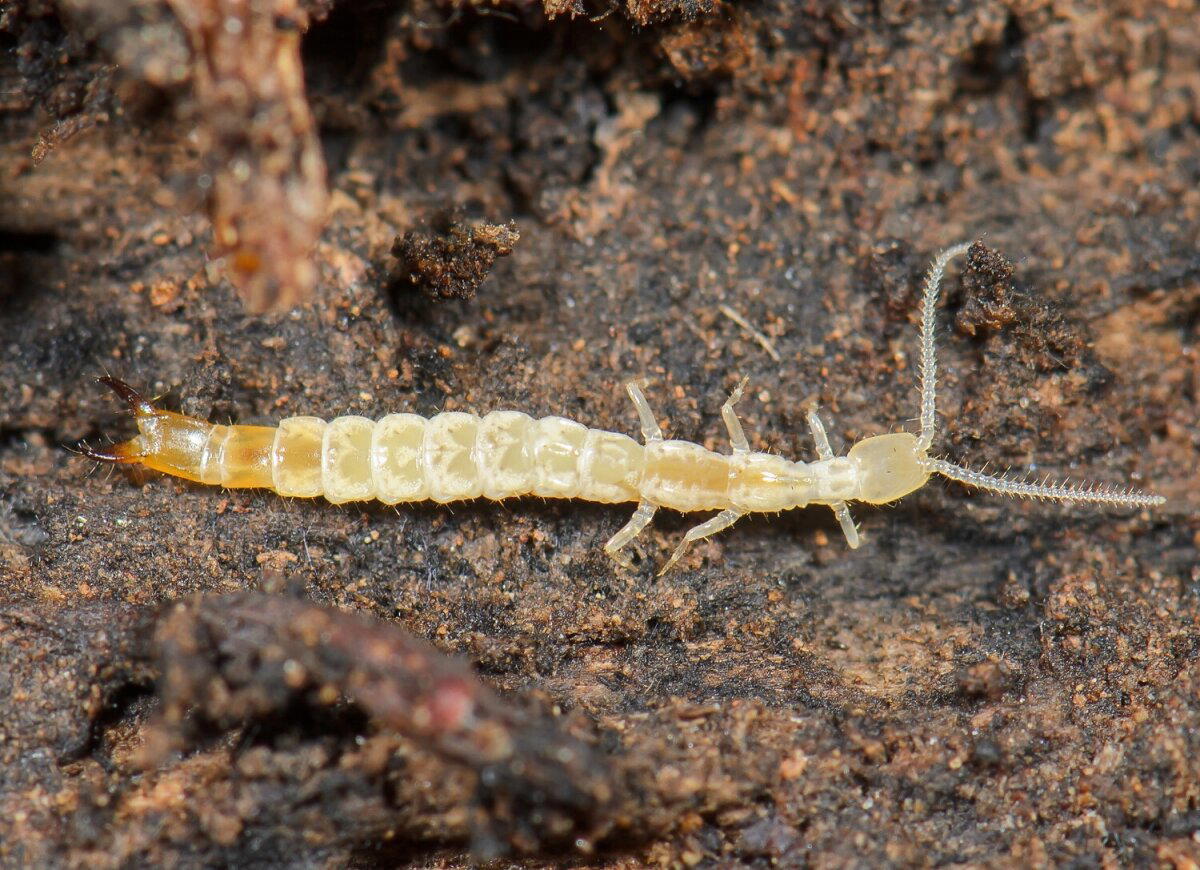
267 189
233 660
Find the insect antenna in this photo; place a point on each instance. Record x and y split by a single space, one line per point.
933 281
1095 493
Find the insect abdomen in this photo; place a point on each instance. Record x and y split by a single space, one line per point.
453 456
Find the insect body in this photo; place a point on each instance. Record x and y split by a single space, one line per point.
454 456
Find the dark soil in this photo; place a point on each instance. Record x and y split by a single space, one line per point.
193 677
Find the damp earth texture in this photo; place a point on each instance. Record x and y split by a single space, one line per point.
310 208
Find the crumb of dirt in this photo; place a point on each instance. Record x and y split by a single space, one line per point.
453 264
988 291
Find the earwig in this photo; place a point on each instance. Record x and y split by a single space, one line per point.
454 456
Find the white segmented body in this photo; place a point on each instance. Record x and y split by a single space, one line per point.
455 456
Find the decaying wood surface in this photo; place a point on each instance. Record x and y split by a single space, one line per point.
196 677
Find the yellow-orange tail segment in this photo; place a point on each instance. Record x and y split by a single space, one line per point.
188 447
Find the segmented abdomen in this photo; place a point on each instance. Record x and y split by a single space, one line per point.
453 456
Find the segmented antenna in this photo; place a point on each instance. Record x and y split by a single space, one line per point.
933 282
1096 493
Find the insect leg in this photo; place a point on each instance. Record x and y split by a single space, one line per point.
721 521
842 512
650 430
824 451
736 436
640 519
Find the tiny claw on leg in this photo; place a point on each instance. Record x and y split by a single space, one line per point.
721 521
640 519
736 395
621 559
737 437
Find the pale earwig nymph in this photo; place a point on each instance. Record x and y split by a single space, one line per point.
454 456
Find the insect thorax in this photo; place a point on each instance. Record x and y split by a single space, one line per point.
765 482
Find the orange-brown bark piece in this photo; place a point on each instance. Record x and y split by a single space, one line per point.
268 192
